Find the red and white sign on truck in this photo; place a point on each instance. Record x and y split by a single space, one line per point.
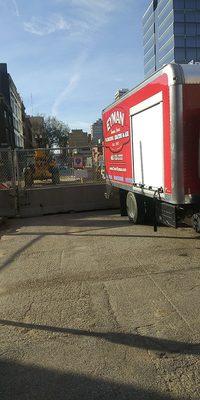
152 146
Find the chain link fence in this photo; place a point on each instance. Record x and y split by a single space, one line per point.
7 169
37 168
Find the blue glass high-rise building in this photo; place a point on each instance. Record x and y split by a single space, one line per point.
171 33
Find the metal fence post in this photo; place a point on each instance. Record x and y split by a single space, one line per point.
16 168
11 161
16 178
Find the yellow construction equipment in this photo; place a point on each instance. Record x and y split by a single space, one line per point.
44 167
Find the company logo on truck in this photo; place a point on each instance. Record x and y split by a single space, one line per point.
117 117
117 131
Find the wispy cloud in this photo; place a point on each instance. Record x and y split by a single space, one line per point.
95 12
45 26
94 5
73 81
16 8
85 16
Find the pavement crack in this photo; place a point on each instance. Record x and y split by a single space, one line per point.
62 258
27 311
169 300
143 326
110 308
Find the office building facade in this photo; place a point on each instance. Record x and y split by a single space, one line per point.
37 125
96 132
78 139
6 125
14 104
171 33
120 93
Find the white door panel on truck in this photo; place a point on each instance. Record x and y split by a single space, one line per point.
147 136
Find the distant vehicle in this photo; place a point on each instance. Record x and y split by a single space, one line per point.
152 147
43 167
64 170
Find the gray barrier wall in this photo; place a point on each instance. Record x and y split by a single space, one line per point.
34 202
8 203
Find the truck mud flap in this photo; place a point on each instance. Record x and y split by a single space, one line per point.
167 214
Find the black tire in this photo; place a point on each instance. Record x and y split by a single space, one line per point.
135 208
122 198
149 211
196 222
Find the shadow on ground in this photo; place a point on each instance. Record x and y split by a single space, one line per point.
126 339
20 382
93 220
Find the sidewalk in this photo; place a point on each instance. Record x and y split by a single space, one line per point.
95 308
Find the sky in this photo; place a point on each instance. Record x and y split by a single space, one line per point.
68 57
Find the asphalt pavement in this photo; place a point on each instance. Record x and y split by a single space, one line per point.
93 307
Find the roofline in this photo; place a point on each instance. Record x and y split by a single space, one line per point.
174 72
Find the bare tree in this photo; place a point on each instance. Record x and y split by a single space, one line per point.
57 132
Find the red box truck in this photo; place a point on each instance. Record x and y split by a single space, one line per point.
152 147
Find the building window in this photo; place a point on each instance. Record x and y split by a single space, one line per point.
161 5
190 16
149 22
191 41
165 38
151 63
149 55
179 4
179 41
191 54
190 4
168 33
179 28
165 12
150 71
168 58
197 16
198 41
148 14
179 54
198 54
166 48
148 34
165 24
179 16
190 29
149 45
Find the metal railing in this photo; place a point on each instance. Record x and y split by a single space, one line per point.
38 168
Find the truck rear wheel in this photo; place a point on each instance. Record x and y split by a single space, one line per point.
196 222
135 208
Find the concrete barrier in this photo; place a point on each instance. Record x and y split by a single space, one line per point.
8 203
52 200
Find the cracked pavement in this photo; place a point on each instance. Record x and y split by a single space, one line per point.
95 308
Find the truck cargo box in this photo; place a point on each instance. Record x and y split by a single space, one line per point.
152 137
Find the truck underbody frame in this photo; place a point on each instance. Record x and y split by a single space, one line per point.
155 211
